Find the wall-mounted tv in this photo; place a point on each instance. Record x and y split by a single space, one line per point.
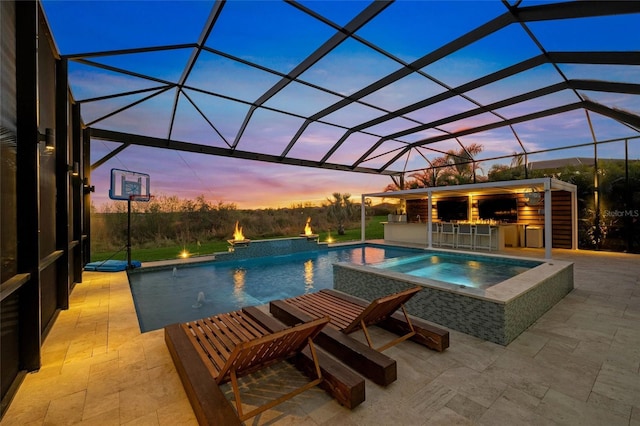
502 209
449 210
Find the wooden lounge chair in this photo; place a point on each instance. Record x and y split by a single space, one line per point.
349 317
233 344
347 387
351 313
372 364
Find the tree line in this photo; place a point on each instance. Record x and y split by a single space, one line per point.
170 220
612 223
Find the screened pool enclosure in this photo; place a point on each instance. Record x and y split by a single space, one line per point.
384 88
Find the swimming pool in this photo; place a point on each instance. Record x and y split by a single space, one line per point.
461 269
257 274
168 296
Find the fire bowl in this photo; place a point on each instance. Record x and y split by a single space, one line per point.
239 243
310 236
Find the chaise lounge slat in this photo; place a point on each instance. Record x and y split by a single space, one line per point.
219 335
205 349
341 315
339 318
243 326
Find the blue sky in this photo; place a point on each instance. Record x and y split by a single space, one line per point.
277 36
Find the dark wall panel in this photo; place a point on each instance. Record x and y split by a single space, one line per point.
561 219
47 166
8 161
8 205
9 341
49 295
9 307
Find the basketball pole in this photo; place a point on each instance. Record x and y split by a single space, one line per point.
129 186
129 233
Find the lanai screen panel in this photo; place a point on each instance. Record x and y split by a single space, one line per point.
381 87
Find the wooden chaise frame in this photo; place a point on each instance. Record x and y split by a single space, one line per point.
233 345
367 361
349 317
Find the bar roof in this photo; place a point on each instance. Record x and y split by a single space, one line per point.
483 188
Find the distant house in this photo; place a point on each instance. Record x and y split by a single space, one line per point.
561 162
572 161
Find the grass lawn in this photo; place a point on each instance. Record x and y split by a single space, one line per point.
374 230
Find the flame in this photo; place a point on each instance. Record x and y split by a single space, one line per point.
237 234
307 228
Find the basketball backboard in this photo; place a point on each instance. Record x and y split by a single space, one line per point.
126 185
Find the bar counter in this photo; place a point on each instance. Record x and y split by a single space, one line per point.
505 234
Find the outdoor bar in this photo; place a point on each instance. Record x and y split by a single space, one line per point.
488 216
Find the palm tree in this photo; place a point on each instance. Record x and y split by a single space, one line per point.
340 209
462 163
430 177
518 159
455 167
399 183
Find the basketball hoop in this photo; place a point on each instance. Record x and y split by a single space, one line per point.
129 186
140 197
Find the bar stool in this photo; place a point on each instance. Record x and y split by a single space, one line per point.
448 228
435 234
464 230
483 230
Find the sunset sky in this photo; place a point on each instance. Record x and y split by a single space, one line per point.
278 36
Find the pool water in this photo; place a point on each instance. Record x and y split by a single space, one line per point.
168 296
463 270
